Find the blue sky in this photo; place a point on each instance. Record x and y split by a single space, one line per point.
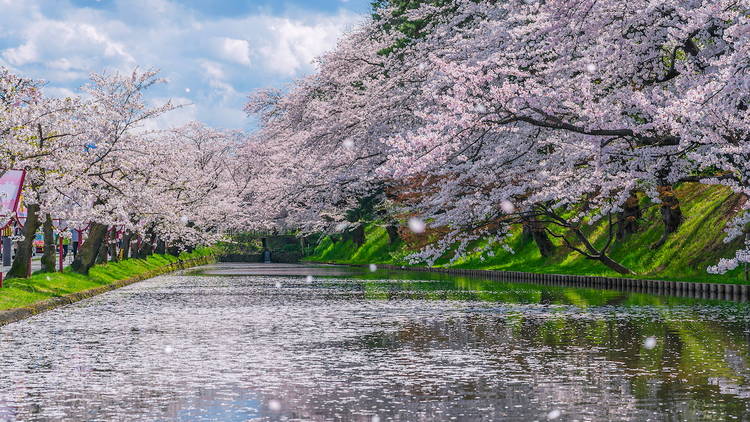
212 52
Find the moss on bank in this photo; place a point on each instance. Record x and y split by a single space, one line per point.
21 292
698 244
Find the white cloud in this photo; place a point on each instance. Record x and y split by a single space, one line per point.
295 44
213 70
220 59
65 45
237 51
21 55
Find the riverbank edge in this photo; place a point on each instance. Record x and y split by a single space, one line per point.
722 291
10 316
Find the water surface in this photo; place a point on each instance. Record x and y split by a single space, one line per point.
237 342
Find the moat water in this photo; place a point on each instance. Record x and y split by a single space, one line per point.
238 342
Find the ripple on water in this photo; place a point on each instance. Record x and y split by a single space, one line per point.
268 348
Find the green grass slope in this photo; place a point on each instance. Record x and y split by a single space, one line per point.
697 244
20 292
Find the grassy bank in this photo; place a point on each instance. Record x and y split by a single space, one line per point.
21 292
698 243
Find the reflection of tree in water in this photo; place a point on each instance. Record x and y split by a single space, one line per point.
405 350
697 368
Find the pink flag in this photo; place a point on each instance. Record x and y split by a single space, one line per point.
11 185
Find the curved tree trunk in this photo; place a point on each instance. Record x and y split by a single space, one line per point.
600 254
671 213
611 263
87 254
161 247
22 260
49 257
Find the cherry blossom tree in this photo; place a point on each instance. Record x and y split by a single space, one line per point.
550 114
38 135
325 137
605 121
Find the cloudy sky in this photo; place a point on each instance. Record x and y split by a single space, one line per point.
212 52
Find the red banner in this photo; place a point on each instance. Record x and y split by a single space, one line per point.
11 186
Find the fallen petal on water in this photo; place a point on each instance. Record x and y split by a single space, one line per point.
274 405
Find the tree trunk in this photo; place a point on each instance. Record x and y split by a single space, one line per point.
538 234
600 255
48 259
145 250
147 245
113 256
87 254
113 245
22 260
629 216
392 231
161 247
127 238
611 263
103 254
671 213
358 235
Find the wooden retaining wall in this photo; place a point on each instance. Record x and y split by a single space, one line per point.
717 291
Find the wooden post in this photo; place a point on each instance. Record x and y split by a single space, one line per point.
60 250
747 276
